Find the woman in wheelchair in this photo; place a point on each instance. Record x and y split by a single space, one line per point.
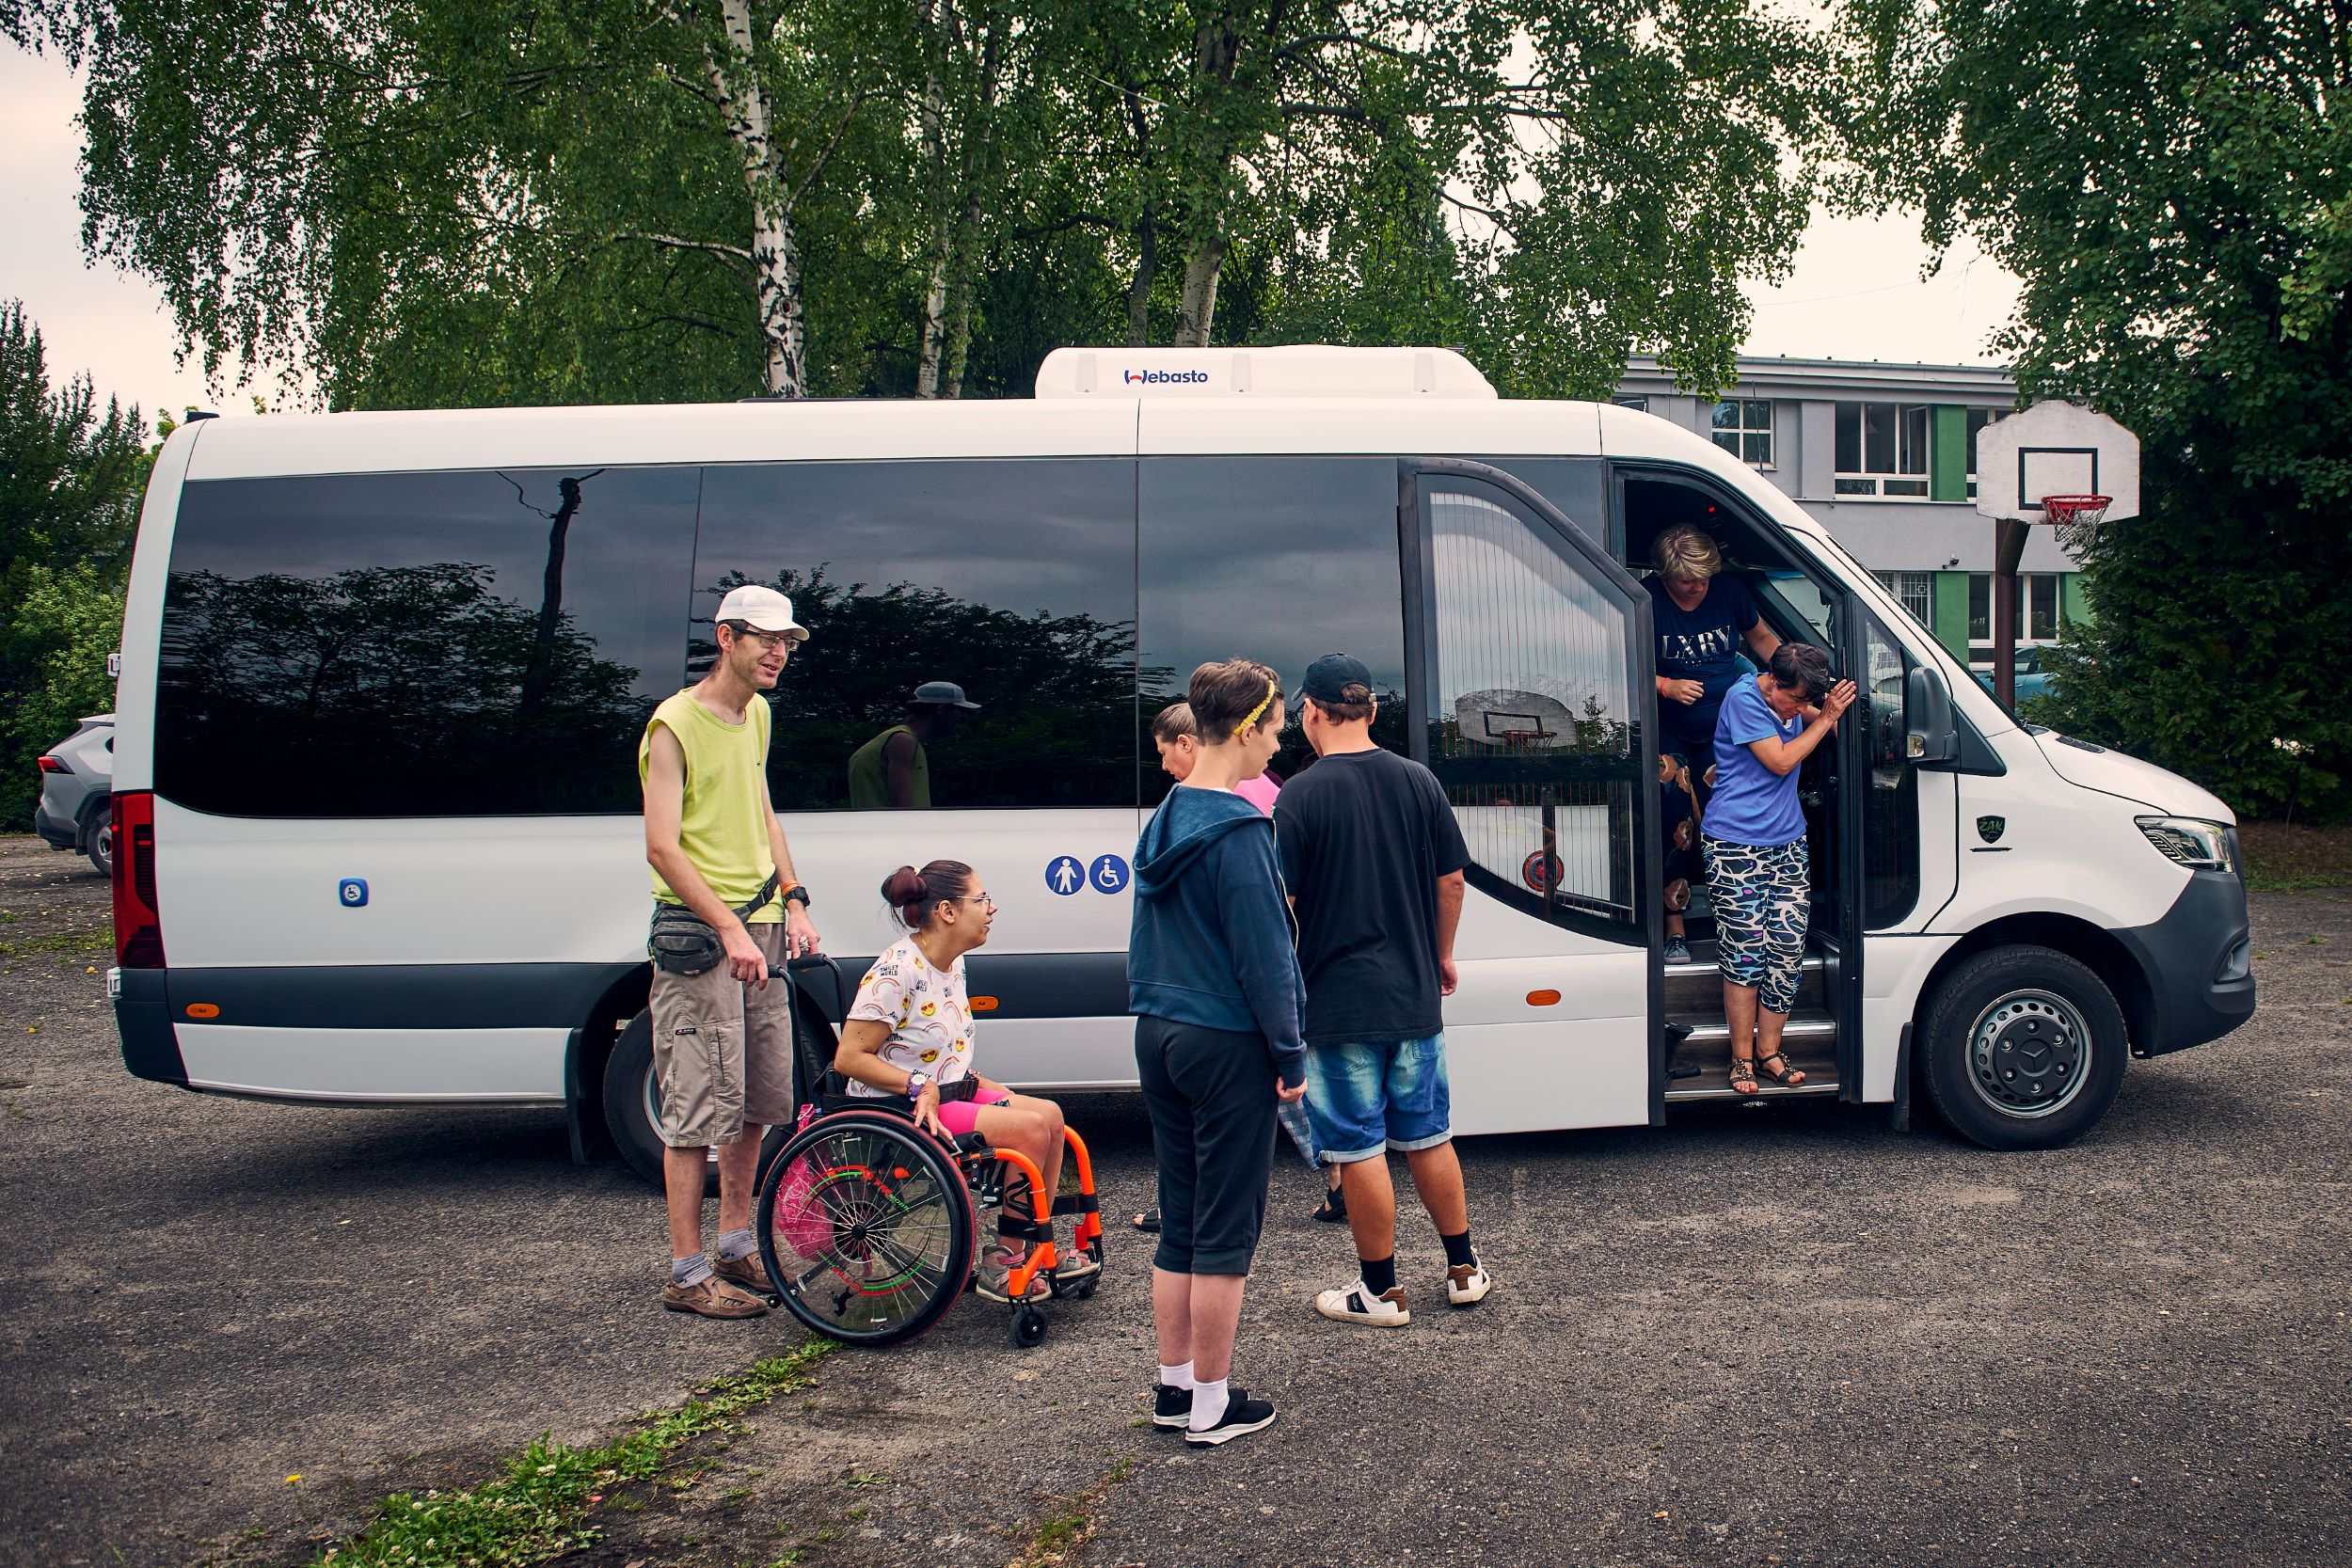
909 1036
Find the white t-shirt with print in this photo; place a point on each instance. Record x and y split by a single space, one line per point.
927 1009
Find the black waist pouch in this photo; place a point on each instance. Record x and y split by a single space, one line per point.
681 943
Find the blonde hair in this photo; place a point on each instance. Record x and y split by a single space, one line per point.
1174 723
1686 551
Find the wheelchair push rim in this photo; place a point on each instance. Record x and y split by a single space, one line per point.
866 1228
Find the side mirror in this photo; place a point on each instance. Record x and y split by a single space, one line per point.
1932 735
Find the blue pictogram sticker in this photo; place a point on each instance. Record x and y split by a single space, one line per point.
1108 874
1064 875
351 892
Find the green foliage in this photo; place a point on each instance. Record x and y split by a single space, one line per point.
540 1508
2174 187
505 201
70 479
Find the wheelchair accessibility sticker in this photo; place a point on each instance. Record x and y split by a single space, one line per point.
1108 874
351 892
1066 874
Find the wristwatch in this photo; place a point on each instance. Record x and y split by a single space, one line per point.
917 1081
796 894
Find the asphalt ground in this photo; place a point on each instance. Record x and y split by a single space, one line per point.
1776 1336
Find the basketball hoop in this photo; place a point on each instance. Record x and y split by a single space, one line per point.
2076 510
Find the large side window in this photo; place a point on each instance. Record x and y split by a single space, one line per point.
1278 558
1533 722
1890 812
1005 583
421 644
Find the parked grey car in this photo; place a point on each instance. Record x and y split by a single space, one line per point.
77 777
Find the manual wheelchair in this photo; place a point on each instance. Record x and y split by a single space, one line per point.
869 1225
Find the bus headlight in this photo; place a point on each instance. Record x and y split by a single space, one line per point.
2185 841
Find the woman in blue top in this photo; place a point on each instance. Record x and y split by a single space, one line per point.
1757 873
1701 621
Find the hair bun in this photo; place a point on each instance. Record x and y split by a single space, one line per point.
904 888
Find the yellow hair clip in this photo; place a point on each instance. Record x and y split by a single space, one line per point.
1251 716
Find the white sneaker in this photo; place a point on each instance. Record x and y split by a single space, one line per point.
1356 1304
1468 1285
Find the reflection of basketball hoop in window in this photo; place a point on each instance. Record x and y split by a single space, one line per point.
1521 720
1540 872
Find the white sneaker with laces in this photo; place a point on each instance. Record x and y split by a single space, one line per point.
1356 1304
1468 1285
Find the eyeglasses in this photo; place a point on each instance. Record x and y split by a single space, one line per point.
980 899
767 639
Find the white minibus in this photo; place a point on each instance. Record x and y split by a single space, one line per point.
384 675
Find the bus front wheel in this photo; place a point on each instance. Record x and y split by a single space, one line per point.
2023 1049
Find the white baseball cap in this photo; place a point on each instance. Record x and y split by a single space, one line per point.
762 609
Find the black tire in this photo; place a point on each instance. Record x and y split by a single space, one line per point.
1028 1327
2021 1048
630 1094
872 1190
98 836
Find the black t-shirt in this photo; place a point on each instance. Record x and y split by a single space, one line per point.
1364 837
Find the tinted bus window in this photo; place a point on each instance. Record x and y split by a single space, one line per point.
1278 558
1008 581
424 644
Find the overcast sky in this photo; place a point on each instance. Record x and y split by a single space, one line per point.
1855 292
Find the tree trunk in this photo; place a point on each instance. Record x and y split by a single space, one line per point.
935 158
1196 309
1147 271
967 252
775 254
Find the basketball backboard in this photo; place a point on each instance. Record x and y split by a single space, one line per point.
2055 449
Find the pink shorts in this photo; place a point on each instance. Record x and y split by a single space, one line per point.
960 1116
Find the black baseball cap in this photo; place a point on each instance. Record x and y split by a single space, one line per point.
1328 677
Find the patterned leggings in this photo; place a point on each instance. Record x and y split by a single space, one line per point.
1761 899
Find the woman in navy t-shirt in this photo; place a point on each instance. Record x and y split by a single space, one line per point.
1701 621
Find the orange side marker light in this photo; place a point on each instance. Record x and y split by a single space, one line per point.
983 1003
1543 998
203 1009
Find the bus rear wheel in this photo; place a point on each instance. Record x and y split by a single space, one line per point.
632 1104
2023 1049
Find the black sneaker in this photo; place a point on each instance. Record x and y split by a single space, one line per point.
1171 1408
1242 1416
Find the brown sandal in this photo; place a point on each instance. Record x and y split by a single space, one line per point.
1785 1073
1743 1075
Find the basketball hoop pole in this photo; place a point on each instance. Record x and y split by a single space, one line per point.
2008 548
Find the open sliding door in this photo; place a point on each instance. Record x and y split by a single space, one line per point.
1528 658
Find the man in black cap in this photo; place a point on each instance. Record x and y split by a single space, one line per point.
893 772
1373 861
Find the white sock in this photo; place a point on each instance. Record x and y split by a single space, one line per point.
1208 1404
1175 1377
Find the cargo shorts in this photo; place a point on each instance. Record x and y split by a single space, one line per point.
722 1050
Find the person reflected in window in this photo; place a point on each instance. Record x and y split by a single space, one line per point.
1701 619
1759 872
893 772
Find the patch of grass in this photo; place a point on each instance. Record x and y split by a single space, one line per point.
2283 858
1069 1521
539 1509
100 940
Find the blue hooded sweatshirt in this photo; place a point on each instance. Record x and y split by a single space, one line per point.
1212 942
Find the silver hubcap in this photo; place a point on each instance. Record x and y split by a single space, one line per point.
2028 1053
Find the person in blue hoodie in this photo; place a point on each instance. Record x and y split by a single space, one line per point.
1213 980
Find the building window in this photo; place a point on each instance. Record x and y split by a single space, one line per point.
1744 427
1882 449
1640 405
1977 420
1913 590
2038 600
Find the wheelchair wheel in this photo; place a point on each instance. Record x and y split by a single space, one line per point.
866 1228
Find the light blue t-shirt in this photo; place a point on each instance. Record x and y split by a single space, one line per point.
1753 805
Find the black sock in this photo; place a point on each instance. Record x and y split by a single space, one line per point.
1458 1251
1379 1274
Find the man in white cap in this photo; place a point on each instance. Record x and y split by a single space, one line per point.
893 772
722 1037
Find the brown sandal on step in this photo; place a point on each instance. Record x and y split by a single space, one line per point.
1743 1075
1777 1067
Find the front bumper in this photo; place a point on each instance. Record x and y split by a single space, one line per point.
2197 959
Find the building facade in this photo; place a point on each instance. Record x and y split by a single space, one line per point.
1884 455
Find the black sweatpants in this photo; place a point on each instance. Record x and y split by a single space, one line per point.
1210 1095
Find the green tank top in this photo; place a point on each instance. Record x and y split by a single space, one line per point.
870 774
723 826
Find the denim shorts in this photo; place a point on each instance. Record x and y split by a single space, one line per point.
1361 1098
